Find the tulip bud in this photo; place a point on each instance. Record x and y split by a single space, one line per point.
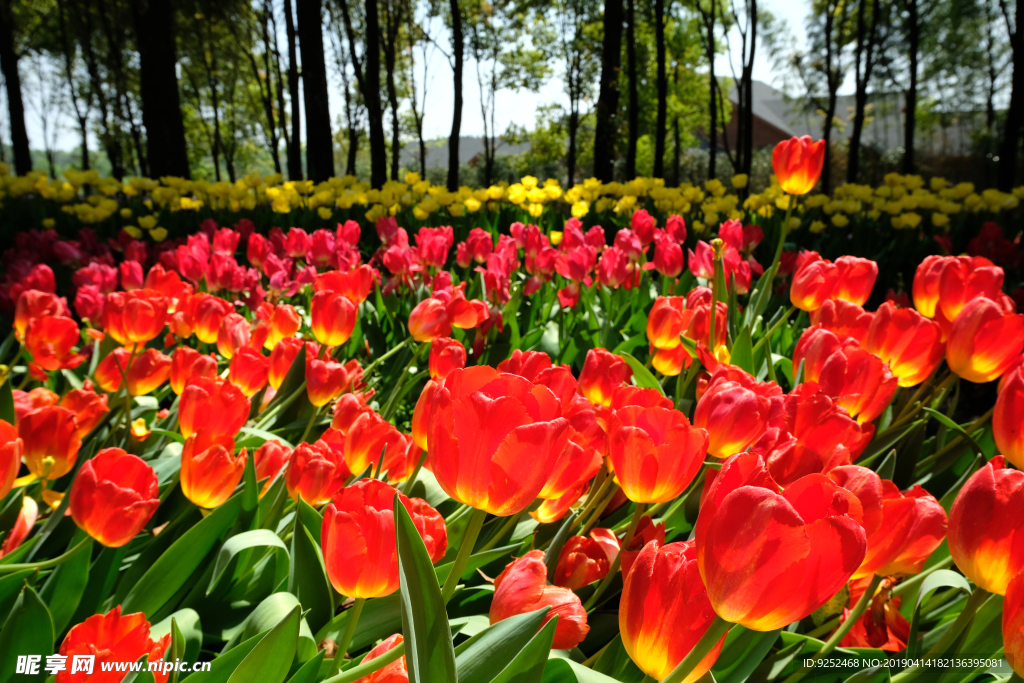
910 343
986 529
270 458
602 372
358 538
797 163
187 363
395 672
429 321
316 473
51 341
11 448
283 356
34 304
365 439
421 415
88 407
813 284
214 405
1008 418
249 370
583 561
210 470
984 341
111 638
734 410
325 379
446 354
664 610
23 526
855 278
50 441
135 317
113 496
284 322
333 317
665 322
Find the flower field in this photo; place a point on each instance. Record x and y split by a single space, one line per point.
656 434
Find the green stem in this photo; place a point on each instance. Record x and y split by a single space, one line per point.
911 585
373 366
389 406
309 425
718 628
367 668
476 522
47 564
272 410
350 628
599 510
508 526
773 329
638 514
411 481
844 628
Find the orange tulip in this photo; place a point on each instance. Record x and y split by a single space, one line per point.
113 496
249 370
446 354
270 458
88 407
1008 418
646 532
858 380
366 437
27 401
333 317
208 311
903 529
284 354
1013 624
944 284
23 526
664 610
146 371
768 558
882 627
33 304
583 561
855 279
50 441
421 415
214 405
797 163
984 341
602 372
348 408
236 333
665 322
210 470
429 321
395 672
325 380
355 284
316 473
844 319
483 425
910 343
734 410
358 538
670 362
655 452
111 638
10 456
51 341
554 509
283 322
522 587
986 529
814 283
575 466
187 363
134 317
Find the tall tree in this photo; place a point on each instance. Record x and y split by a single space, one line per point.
608 96
294 151
865 57
319 144
367 72
662 89
747 22
15 103
158 87
264 79
709 17
1008 151
394 14
912 27
633 104
457 57
70 51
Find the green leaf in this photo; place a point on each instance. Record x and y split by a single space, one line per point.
554 550
888 467
568 671
644 378
248 540
941 578
742 652
428 637
272 657
742 355
261 436
186 635
28 630
170 435
175 566
307 579
529 664
10 588
311 519
7 402
65 587
482 657
250 487
224 665
269 614
955 427
308 672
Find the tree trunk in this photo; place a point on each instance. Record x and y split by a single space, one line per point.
69 55
370 87
570 159
158 87
390 51
319 146
910 104
662 88
746 140
608 96
709 24
294 151
16 106
1015 114
458 47
860 98
633 112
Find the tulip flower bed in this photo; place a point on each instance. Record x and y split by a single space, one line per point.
510 458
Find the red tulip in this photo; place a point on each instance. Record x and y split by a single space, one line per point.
670 362
395 672
583 561
187 363
50 441
813 283
283 322
664 610
210 470
10 456
208 312
1013 624
984 341
769 559
333 317
88 407
910 343
135 317
429 320
23 526
855 279
882 627
270 458
349 407
421 415
655 452
602 372
844 319
522 587
215 405
358 538
943 285
111 638
446 354
554 509
113 496
797 163
903 529
368 435
249 370
665 322
32 304
482 426
1008 418
284 354
986 529
51 341
734 410
325 380
236 333
316 472
355 285
646 532
575 466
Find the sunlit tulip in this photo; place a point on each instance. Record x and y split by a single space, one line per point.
903 529
846 320
27 401
325 380
333 317
316 472
355 284
665 322
283 322
986 529
602 372
270 458
236 333
23 526
395 672
147 372
284 355
769 558
111 638
813 283
522 587
88 407
113 496
33 304
576 465
984 341
208 312
358 538
583 560
50 441
855 279
734 410
249 370
215 405
11 448
655 452
797 163
670 362
429 321
943 285
910 343
1013 624
51 341
1008 418
664 610
367 437
554 509
210 470
187 363
882 627
482 426
421 415
349 407
446 354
